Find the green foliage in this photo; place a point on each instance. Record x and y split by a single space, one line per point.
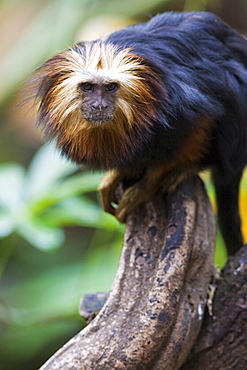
35 311
36 203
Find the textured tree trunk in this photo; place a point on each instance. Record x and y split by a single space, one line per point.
222 341
154 313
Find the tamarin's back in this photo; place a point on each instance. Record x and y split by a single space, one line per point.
191 30
202 63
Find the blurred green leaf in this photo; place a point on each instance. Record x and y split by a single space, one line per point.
72 280
128 8
80 211
51 298
11 182
36 204
22 344
78 184
46 168
195 5
7 225
40 235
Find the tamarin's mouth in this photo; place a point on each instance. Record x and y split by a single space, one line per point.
97 117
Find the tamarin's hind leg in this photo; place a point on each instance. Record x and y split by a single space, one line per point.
227 196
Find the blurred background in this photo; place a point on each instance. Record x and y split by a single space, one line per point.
55 242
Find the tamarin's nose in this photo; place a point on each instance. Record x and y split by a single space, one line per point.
99 105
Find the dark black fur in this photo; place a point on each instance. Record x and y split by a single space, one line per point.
203 65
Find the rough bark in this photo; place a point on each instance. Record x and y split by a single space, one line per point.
222 341
155 309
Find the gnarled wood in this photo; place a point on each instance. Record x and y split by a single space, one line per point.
155 308
222 342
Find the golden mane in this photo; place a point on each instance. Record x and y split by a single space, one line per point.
55 85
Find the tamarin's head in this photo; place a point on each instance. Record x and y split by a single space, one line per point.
97 102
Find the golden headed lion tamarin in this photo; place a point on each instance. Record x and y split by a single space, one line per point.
153 103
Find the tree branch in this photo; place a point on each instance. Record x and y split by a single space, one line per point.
155 309
222 341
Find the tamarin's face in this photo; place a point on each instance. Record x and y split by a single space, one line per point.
94 99
98 100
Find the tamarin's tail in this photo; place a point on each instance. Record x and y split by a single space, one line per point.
227 195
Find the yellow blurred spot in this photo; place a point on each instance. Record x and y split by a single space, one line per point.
243 212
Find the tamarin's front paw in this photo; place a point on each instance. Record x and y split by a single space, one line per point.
122 205
107 200
108 191
130 200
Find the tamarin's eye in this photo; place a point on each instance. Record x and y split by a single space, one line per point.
86 86
112 86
